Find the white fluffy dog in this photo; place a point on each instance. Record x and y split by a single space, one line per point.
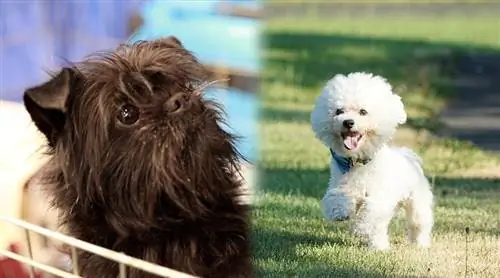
356 116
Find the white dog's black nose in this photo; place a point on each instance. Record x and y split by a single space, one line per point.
348 123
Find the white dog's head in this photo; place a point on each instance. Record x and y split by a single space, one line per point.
356 114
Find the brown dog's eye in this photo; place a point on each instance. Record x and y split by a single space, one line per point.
363 112
339 111
129 114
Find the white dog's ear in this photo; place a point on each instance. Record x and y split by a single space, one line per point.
400 113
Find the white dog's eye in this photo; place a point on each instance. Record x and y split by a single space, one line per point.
339 111
363 112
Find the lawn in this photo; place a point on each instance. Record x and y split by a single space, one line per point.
291 238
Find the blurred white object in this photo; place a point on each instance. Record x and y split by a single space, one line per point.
20 158
21 197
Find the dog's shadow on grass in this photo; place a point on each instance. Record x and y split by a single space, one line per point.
469 195
284 244
469 199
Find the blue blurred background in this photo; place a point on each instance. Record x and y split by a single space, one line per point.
37 36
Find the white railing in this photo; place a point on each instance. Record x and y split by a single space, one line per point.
123 260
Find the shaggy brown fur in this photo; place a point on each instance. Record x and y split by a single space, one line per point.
141 164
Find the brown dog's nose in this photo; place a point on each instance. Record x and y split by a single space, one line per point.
348 123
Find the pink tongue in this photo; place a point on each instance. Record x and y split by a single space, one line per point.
351 142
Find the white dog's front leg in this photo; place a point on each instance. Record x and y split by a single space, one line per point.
336 205
373 223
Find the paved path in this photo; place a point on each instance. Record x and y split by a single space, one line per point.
475 113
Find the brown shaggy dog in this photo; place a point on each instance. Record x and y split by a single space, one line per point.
140 163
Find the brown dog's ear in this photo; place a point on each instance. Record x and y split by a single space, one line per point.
46 103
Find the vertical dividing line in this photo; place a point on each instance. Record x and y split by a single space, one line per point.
74 260
30 252
123 273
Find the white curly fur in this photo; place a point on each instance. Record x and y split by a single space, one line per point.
370 194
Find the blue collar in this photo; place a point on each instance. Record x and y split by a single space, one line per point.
346 163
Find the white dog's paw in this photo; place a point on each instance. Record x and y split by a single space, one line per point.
378 241
335 210
423 241
379 245
337 215
340 217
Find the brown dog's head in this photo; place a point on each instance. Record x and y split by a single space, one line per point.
132 138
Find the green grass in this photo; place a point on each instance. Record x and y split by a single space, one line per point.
291 238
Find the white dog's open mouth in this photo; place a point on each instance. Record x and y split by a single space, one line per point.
351 139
